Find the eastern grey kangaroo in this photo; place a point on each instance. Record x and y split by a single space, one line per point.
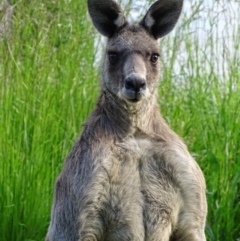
129 177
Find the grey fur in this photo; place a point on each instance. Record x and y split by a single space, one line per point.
6 12
129 176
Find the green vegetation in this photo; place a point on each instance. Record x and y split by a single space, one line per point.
48 87
49 84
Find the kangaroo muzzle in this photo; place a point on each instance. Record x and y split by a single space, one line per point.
135 84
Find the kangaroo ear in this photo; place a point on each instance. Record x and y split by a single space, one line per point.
107 16
162 16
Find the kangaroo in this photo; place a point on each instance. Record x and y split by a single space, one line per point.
129 176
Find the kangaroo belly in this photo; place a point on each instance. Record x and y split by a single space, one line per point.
122 207
162 199
137 198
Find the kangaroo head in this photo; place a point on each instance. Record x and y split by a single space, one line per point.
131 65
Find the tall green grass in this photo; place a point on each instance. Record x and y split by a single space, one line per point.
49 84
200 98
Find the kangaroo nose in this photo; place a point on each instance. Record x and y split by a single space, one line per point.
135 83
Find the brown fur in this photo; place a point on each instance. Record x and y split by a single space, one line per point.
128 176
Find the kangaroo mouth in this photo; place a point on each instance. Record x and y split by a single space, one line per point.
132 96
134 100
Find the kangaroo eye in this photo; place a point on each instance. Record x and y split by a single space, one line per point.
154 58
113 57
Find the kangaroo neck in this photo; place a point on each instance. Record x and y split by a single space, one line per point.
134 115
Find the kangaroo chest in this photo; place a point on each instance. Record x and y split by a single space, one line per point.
138 190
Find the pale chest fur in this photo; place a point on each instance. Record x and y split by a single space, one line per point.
136 186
